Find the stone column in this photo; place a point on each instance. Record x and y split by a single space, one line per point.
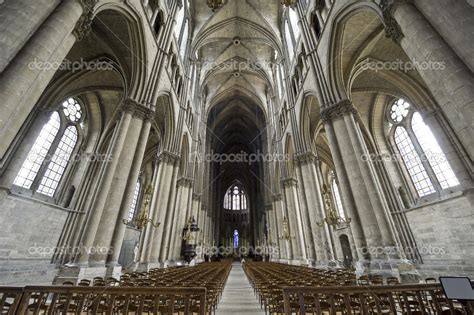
16 31
159 208
452 19
294 220
181 218
447 77
23 81
358 180
119 231
103 189
316 211
169 215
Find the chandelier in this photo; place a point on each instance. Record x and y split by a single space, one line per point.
214 4
286 231
332 217
142 219
289 3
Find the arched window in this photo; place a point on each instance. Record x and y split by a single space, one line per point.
184 40
289 42
134 204
235 198
337 198
293 16
236 239
49 156
179 23
422 156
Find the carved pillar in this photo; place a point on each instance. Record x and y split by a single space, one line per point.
294 219
316 211
119 231
180 218
360 189
103 189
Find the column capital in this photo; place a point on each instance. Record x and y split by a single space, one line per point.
277 197
167 157
185 181
337 110
137 109
289 182
84 24
306 158
197 196
392 29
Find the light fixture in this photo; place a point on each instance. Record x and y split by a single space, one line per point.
286 231
214 4
142 219
289 3
332 217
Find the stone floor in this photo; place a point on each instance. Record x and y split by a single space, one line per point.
238 297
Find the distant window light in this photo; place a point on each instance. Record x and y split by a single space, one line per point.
289 42
38 152
337 199
399 110
433 152
134 204
417 171
293 15
235 198
59 162
179 22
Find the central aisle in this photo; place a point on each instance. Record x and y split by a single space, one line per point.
238 297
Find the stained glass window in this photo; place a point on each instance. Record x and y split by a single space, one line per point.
420 151
235 198
49 156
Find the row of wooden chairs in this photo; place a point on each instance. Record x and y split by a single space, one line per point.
338 292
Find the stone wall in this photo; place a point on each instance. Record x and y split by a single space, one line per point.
443 231
30 232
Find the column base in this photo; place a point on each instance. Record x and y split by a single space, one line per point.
75 273
402 269
327 264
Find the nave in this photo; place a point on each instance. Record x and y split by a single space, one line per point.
224 288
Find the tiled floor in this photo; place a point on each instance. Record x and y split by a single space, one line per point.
238 297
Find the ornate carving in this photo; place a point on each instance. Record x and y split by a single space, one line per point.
289 181
167 157
185 181
144 113
277 197
337 110
306 158
84 24
392 29
196 196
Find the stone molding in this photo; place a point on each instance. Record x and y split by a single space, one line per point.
84 24
337 110
167 157
137 110
277 197
289 182
306 158
196 196
185 181
392 29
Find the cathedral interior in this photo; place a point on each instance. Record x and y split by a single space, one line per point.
235 146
